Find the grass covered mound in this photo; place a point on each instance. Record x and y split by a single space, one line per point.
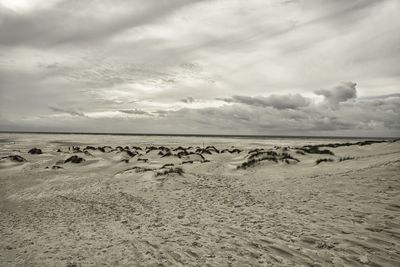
256 156
35 151
315 149
167 171
74 159
318 161
15 158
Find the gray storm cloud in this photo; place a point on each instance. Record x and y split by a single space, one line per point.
340 93
135 112
69 111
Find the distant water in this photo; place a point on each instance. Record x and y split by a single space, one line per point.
206 135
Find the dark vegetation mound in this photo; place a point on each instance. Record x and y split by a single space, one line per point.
318 161
151 148
76 149
15 158
74 159
179 148
130 153
184 153
212 148
167 154
167 165
361 143
203 151
55 167
35 151
235 150
176 170
139 169
258 155
87 153
143 160
345 158
315 149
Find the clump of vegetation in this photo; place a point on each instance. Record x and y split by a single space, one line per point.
260 155
179 148
74 159
56 167
255 150
130 153
315 149
345 158
183 153
143 160
187 162
138 169
286 156
168 154
102 149
235 150
212 148
87 153
76 149
16 158
35 151
318 161
167 165
150 148
176 170
203 151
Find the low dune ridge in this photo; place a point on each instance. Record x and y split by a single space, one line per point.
193 201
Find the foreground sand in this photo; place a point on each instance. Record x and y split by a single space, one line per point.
95 213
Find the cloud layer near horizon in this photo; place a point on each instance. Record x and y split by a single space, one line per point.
191 66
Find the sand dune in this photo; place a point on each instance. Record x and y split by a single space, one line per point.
182 201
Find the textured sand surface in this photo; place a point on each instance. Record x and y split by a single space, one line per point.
115 210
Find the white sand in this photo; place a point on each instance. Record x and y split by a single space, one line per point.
273 214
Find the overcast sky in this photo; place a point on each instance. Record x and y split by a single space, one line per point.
264 67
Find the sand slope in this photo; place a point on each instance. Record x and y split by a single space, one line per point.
106 211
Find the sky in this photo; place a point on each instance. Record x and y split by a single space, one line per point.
241 67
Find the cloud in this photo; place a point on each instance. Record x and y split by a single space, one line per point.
81 21
135 112
340 93
290 101
67 111
262 59
188 100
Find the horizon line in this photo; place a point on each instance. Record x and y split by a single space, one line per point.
205 135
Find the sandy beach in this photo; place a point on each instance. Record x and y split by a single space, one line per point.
86 200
